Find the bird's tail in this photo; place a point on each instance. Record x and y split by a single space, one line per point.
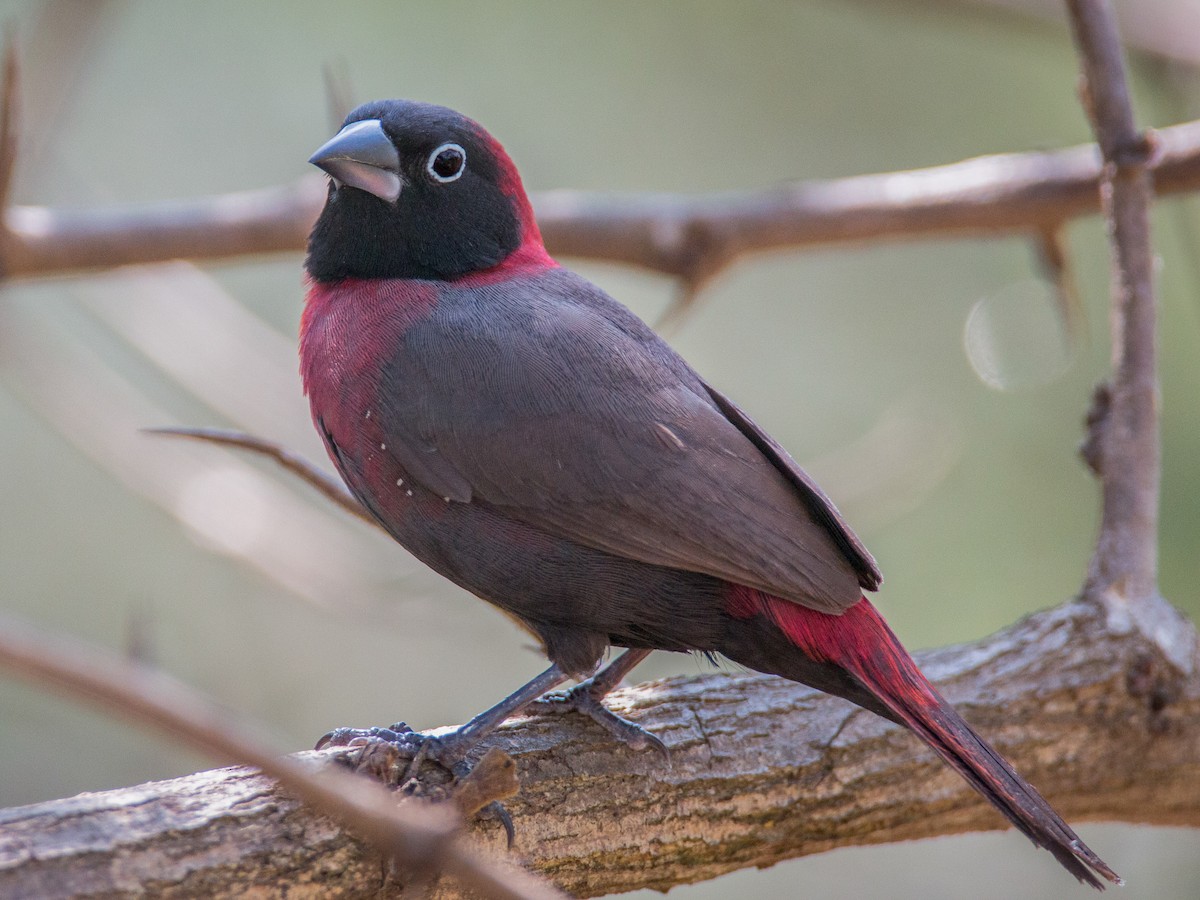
884 679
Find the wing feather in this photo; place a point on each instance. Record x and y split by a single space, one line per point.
553 403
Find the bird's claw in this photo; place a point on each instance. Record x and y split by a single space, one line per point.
347 737
394 755
583 700
381 753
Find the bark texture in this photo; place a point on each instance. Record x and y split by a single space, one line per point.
762 770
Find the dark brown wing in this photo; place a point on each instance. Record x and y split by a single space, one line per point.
561 409
821 507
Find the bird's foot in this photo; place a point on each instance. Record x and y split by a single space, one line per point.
395 756
386 754
586 697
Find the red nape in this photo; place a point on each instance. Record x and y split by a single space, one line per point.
531 257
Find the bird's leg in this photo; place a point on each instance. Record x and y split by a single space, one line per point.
449 749
381 749
586 698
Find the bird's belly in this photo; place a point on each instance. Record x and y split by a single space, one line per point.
549 582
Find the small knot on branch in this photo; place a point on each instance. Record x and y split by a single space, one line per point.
1158 684
1130 158
1096 424
702 250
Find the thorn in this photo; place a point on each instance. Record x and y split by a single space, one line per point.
1096 425
682 305
1054 261
337 91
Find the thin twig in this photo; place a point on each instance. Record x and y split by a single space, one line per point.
338 92
1125 559
421 837
9 98
298 465
1054 260
9 112
1123 444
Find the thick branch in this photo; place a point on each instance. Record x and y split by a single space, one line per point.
690 237
762 770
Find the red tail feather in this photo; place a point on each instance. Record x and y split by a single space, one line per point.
861 643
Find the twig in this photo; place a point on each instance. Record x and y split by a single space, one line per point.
9 98
422 838
688 237
1054 261
1125 438
329 487
9 113
337 92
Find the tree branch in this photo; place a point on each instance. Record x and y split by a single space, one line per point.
422 839
762 770
1123 446
688 237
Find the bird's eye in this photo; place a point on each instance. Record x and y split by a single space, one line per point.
446 163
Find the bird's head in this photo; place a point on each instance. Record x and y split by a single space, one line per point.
417 191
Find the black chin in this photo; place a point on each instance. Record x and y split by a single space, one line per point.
423 235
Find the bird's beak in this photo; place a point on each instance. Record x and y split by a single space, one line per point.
361 155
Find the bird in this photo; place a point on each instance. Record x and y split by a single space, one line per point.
533 441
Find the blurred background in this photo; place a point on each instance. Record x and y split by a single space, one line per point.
928 385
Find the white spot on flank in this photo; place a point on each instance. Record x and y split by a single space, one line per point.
670 435
368 415
383 446
409 493
399 482
447 499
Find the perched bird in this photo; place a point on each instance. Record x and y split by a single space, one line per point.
532 440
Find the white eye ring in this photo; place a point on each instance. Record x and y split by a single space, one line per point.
432 162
